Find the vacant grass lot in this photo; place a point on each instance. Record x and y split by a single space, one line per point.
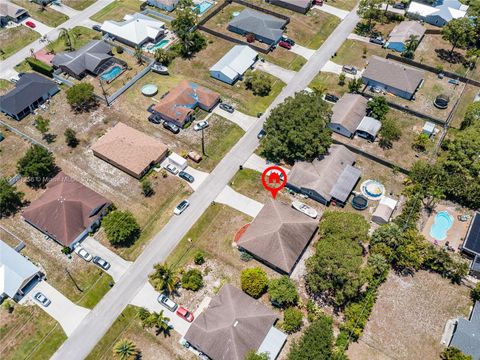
30 333
12 147
356 53
342 4
47 16
466 99
328 82
117 10
78 4
14 39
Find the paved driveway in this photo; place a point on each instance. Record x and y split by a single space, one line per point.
283 74
118 266
364 39
302 51
258 163
199 176
240 202
42 29
243 120
335 68
332 10
61 309
70 12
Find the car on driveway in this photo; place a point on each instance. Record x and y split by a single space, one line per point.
349 69
31 24
42 299
181 207
261 134
104 264
290 41
378 40
165 301
186 176
171 127
84 254
331 97
171 169
184 314
285 45
155 119
227 107
400 6
201 125
97 27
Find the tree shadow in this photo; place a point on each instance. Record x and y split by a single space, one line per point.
452 57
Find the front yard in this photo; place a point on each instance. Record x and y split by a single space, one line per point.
46 15
356 53
78 4
14 39
80 35
117 10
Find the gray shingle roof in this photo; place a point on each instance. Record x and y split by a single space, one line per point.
258 23
401 32
467 334
369 125
349 111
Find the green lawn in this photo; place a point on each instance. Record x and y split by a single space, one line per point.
5 84
78 4
261 103
95 293
117 10
356 53
342 4
328 82
328 24
249 183
48 16
81 36
14 39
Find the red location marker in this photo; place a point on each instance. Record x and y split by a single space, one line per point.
274 179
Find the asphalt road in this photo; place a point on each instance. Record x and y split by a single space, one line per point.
99 320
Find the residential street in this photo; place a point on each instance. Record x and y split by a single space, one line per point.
99 320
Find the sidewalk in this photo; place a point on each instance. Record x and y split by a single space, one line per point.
342 14
64 9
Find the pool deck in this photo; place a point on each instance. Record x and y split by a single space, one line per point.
457 232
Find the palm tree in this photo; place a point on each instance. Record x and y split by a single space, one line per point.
161 323
138 55
164 278
125 350
68 38
410 47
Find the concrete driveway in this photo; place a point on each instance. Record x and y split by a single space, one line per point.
335 68
70 12
283 74
342 14
302 51
243 120
199 176
42 29
240 202
364 39
118 266
61 309
258 163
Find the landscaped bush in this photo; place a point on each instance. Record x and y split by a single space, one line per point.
199 258
476 293
121 228
316 343
192 280
283 291
254 281
40 66
292 320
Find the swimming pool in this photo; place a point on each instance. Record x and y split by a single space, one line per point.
442 223
372 189
112 73
203 6
159 45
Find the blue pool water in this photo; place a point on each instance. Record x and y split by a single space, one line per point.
203 6
112 73
159 45
443 222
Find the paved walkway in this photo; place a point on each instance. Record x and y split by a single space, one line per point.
243 120
279 72
42 29
64 9
302 51
342 14
118 266
239 202
335 68
258 163
61 309
354 36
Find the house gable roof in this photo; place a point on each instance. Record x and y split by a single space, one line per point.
259 23
236 61
402 32
136 28
11 10
467 334
349 111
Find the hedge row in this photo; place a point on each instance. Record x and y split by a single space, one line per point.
40 67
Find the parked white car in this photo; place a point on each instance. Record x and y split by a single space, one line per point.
171 169
181 207
304 208
201 125
84 254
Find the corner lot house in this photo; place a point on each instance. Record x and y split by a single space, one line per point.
393 77
234 64
234 324
31 91
11 12
278 236
328 179
466 336
438 14
301 6
67 211
179 105
17 273
471 245
401 33
347 113
129 150
167 5
135 30
266 28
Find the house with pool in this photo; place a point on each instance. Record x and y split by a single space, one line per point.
471 245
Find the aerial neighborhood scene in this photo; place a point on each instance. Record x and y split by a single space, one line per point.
240 179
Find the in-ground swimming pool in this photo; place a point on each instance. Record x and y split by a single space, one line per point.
203 6
112 73
442 223
159 45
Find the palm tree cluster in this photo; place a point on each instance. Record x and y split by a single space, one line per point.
164 278
154 319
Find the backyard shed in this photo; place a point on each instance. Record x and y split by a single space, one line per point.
368 128
384 210
234 64
428 129
168 5
301 6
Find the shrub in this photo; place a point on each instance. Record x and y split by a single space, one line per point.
40 66
252 355
121 228
254 282
476 293
147 189
292 320
37 165
283 291
258 82
81 97
192 280
10 199
199 258
452 353
71 137
119 49
316 343
389 133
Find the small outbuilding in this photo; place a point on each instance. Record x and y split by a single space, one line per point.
384 210
300 6
368 128
234 64
167 5
177 161
428 129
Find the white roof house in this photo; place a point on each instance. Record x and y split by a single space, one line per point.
135 29
384 210
438 14
234 64
16 272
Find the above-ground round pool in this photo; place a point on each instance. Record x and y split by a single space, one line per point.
149 90
442 223
372 189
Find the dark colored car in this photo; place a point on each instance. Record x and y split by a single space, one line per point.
349 69
97 27
227 107
261 134
285 45
155 119
184 314
399 6
186 176
171 127
104 264
331 97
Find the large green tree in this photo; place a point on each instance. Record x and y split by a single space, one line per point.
316 343
297 129
370 10
190 40
260 83
254 281
121 228
192 280
81 97
283 291
472 116
389 132
10 198
458 32
378 107
37 165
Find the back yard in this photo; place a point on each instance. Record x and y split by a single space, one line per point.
356 53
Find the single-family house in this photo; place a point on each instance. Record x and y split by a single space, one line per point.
178 106
264 27
278 236
328 179
129 150
167 5
466 336
384 210
93 58
301 6
17 273
234 324
393 77
347 113
402 32
234 64
368 128
11 12
30 91
67 211
439 13
471 244
135 30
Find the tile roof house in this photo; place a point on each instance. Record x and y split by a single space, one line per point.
393 77
234 324
401 33
178 106
266 28
167 5
347 113
466 336
67 211
135 30
278 236
440 13
301 6
30 91
17 273
330 178
92 58
129 150
234 64
11 12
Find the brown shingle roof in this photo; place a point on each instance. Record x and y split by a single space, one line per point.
233 324
65 209
129 149
278 235
349 111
